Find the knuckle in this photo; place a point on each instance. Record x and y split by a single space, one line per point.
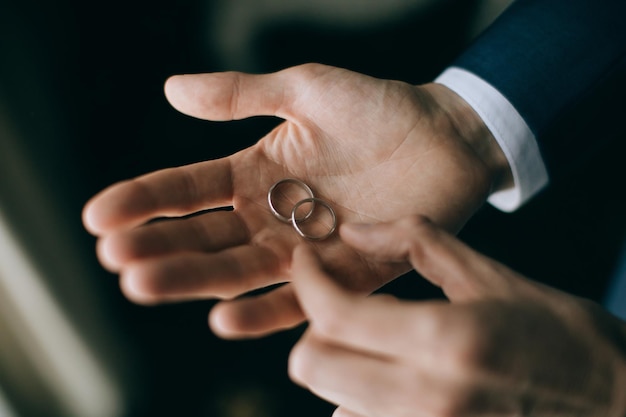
189 189
145 198
467 356
461 347
462 362
330 323
415 223
305 73
414 229
435 324
309 69
233 105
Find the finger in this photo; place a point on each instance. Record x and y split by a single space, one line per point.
344 412
461 272
206 233
169 192
235 95
362 383
370 324
257 315
190 276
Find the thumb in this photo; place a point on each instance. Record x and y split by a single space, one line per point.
462 273
350 319
321 299
231 95
224 96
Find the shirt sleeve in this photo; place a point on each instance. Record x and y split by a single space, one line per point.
555 61
510 131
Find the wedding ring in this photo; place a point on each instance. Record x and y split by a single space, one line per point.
275 212
296 222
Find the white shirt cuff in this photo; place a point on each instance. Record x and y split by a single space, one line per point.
510 131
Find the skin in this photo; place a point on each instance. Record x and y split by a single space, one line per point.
377 150
502 346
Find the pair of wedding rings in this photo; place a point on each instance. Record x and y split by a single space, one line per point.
295 217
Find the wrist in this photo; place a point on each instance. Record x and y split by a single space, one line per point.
474 133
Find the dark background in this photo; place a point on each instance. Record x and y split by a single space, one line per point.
81 84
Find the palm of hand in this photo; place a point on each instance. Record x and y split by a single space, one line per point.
376 150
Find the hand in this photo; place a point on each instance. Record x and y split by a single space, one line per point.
375 149
503 345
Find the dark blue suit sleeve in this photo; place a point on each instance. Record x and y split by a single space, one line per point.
548 56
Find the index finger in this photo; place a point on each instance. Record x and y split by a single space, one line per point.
169 192
380 325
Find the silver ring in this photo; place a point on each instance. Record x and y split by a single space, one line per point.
295 222
275 212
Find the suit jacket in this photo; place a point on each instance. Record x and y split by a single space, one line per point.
549 58
562 64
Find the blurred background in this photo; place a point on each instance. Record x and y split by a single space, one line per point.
81 107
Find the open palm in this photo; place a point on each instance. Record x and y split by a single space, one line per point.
376 150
